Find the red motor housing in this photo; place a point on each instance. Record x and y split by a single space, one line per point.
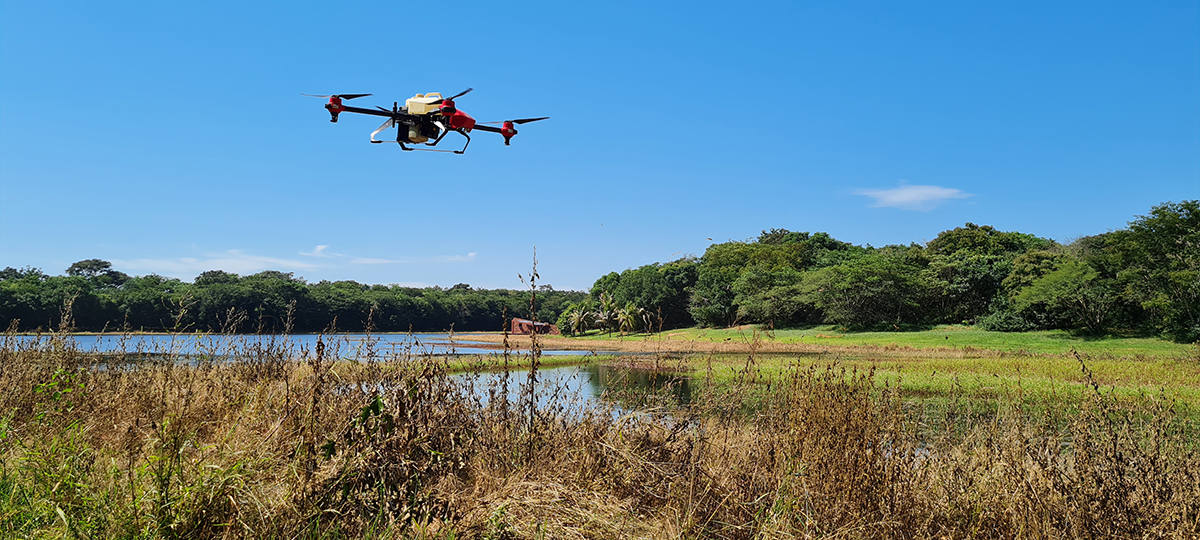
334 107
459 120
508 130
455 118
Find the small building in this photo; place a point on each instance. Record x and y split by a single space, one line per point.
526 326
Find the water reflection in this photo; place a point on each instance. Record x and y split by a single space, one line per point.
578 388
343 345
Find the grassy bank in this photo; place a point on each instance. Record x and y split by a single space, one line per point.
1049 381
959 341
1045 368
949 337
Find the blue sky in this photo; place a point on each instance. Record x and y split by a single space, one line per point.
172 138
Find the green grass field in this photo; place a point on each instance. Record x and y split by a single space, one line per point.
946 336
1031 379
1041 367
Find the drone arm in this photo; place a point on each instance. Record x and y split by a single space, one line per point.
360 110
481 127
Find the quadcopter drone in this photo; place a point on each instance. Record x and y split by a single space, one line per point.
424 118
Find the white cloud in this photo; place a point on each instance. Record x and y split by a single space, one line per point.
373 260
410 260
319 251
240 262
912 197
457 258
233 260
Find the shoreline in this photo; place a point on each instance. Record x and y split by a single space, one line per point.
723 341
661 345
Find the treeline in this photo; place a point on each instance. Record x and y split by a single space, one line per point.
101 298
1144 279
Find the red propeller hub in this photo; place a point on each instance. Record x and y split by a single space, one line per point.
508 130
447 108
334 107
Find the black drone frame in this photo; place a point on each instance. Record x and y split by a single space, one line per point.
400 119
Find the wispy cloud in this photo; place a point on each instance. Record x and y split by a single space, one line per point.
373 260
233 260
240 262
912 197
411 260
457 258
320 251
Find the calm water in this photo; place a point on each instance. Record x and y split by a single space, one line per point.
584 386
344 345
571 387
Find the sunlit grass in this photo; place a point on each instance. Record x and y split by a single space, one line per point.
939 337
1046 379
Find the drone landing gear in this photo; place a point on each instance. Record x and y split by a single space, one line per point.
401 143
443 135
464 148
405 148
390 123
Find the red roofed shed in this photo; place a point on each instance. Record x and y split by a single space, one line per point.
526 326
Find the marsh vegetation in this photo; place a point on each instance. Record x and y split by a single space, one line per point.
316 442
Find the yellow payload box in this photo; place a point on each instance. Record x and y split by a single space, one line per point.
423 104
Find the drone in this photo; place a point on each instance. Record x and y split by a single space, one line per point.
424 119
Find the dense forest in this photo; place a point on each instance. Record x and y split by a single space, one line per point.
1144 280
1140 280
105 299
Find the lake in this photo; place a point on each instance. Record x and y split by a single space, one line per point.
577 387
342 345
581 387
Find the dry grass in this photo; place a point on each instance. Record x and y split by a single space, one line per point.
275 442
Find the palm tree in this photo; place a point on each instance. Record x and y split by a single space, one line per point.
626 318
647 320
580 319
607 314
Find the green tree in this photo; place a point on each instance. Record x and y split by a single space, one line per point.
606 312
1161 256
1028 267
89 268
1075 293
662 289
764 295
212 277
628 318
970 264
985 240
98 271
577 318
883 289
712 301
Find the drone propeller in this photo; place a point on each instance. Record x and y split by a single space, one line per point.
519 120
339 96
454 97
